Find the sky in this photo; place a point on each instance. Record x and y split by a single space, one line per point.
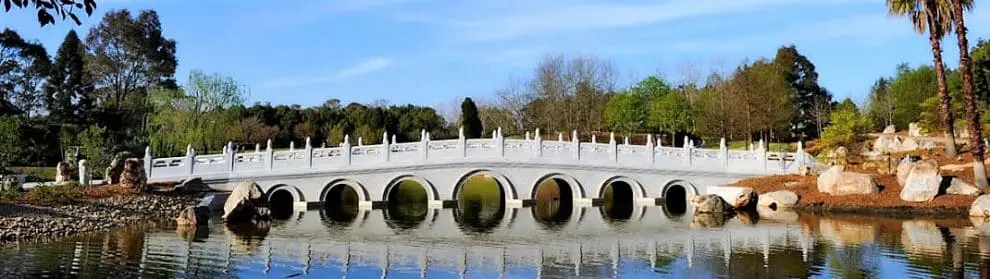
434 52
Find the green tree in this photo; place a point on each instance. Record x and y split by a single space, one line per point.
95 148
800 73
624 112
671 113
980 59
760 98
846 104
49 9
935 18
470 119
847 128
880 104
10 141
198 114
909 88
23 66
69 89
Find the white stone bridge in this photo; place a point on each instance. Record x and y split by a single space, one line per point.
519 166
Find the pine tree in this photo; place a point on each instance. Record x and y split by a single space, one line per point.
68 93
470 120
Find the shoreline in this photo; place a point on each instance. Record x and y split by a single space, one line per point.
25 222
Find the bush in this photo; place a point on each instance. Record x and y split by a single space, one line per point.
52 194
95 149
848 127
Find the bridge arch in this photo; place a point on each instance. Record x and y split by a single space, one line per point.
508 188
431 191
675 196
577 190
638 190
281 200
358 188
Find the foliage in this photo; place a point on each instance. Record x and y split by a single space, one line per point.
800 73
69 89
52 194
10 141
624 112
671 113
470 119
197 114
95 148
880 104
910 87
846 104
23 66
847 128
980 59
48 9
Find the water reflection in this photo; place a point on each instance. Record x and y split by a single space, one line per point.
473 242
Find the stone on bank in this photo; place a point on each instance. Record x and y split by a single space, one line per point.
245 204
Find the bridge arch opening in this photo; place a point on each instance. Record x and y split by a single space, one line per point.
675 198
341 199
407 201
481 198
617 198
553 197
281 201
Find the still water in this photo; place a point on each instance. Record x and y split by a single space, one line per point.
592 242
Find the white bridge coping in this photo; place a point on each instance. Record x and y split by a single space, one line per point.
498 149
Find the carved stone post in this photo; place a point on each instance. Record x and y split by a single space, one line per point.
269 155
761 154
577 145
462 142
231 154
538 144
257 148
613 147
346 149
652 150
386 149
501 142
687 152
424 149
147 161
309 153
723 153
190 159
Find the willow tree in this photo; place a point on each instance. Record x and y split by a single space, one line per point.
972 114
935 18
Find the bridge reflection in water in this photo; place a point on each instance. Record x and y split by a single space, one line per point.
445 243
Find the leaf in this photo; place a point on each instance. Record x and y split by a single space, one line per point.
6 5
90 5
75 18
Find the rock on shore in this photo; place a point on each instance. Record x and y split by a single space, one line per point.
26 222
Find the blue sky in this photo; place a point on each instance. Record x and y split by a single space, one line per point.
431 52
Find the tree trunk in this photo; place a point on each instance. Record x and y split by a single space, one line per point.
972 115
943 96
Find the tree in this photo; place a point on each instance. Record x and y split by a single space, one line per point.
69 89
980 59
48 9
880 104
760 99
23 66
197 114
712 111
973 115
470 119
130 56
624 112
671 113
935 18
95 148
800 73
847 128
846 104
819 111
10 141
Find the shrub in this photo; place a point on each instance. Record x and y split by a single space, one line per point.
848 127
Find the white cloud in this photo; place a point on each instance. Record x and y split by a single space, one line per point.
365 67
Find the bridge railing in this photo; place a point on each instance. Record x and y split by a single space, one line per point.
495 149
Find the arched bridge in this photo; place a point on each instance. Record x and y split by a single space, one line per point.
519 166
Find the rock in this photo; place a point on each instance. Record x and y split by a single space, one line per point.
63 172
710 203
133 177
240 205
957 186
192 185
214 202
737 197
922 237
194 216
707 220
915 131
778 214
980 207
851 183
778 199
828 178
887 143
909 144
890 129
922 184
116 167
903 169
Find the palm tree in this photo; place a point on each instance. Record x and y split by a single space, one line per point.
972 115
933 17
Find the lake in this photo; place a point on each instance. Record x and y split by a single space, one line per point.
591 242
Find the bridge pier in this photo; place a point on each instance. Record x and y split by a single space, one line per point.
365 205
583 202
513 203
434 204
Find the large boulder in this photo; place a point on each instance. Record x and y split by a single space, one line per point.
828 178
134 177
710 203
957 186
116 167
980 207
736 197
63 172
852 183
890 129
243 203
778 199
922 184
194 216
915 131
903 169
909 144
